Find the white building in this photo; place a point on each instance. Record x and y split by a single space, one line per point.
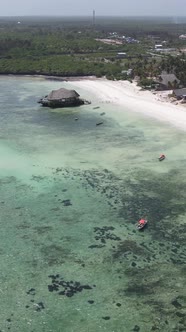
158 46
121 55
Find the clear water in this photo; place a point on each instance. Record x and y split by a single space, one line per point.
70 194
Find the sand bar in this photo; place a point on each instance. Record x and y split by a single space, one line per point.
132 98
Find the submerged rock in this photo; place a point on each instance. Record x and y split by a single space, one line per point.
66 288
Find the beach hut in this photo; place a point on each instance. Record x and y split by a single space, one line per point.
180 93
167 81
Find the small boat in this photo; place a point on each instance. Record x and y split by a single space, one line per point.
99 123
141 224
161 157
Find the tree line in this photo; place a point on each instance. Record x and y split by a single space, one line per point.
70 52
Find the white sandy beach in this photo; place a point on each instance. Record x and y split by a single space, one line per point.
131 97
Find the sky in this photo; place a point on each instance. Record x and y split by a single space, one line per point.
101 7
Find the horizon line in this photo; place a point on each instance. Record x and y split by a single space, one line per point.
87 15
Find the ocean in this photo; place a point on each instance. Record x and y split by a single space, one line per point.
71 193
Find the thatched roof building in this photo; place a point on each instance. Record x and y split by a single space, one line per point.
62 94
168 81
62 98
180 93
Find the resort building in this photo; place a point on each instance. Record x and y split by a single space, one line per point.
62 98
167 81
180 93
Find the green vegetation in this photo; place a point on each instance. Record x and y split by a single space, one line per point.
176 65
73 47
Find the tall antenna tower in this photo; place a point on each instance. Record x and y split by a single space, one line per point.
94 19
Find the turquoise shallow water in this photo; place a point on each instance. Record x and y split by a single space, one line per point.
70 195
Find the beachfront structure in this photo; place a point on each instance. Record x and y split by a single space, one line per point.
180 93
127 72
167 81
62 98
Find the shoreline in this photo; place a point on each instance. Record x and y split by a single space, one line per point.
53 77
127 95
132 98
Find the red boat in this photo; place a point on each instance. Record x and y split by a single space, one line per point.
141 224
161 157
